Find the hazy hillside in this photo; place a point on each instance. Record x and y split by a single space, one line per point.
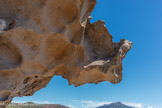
33 105
115 105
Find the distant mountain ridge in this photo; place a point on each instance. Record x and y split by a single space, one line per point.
34 105
52 106
115 105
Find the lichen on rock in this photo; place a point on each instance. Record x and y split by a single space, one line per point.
40 39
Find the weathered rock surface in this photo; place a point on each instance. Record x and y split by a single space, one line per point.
40 39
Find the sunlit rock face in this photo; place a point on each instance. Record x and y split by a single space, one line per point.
40 39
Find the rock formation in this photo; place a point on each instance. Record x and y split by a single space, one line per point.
40 39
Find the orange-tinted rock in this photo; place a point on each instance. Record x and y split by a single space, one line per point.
43 38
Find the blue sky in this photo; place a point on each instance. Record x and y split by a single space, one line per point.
139 21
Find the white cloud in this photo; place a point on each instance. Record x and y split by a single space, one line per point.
136 105
18 101
149 107
92 104
71 106
37 102
42 102
155 106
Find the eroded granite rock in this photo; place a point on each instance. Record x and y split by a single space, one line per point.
40 39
